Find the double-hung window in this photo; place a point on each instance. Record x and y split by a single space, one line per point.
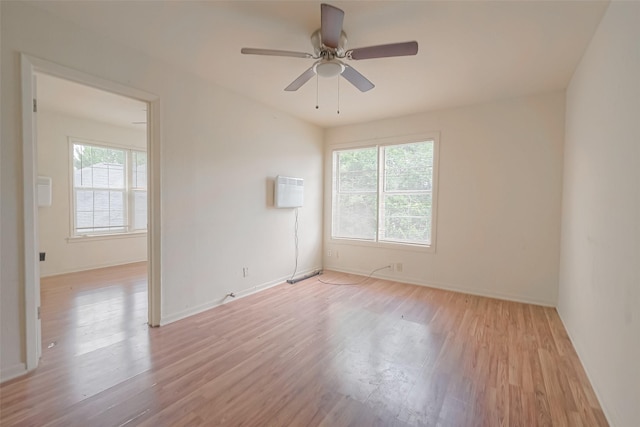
109 189
385 193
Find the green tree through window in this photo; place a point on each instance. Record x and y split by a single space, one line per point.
392 203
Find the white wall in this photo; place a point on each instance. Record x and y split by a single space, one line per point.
599 297
64 255
218 152
498 219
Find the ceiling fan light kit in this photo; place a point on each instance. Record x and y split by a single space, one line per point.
330 68
329 44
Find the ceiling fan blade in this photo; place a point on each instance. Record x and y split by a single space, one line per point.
330 25
297 83
357 79
274 52
384 50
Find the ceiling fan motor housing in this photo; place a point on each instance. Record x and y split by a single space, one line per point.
322 51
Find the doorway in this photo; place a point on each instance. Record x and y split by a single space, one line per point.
109 196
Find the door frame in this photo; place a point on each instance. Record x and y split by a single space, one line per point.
29 66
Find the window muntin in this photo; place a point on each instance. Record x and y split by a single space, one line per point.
109 189
384 193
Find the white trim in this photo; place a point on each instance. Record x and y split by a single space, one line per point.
72 194
449 287
127 191
57 70
383 142
83 238
12 372
29 66
409 247
101 144
154 212
239 294
30 206
92 267
387 140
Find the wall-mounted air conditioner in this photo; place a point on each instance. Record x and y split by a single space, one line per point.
289 192
44 191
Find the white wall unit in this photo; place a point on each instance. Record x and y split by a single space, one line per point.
63 255
599 293
289 192
209 230
499 192
44 184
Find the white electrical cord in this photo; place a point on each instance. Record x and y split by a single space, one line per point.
295 270
356 283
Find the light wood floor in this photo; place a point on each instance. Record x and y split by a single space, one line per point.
309 354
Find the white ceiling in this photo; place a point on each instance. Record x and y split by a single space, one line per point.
469 52
77 100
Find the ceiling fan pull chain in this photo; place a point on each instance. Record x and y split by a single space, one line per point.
338 93
317 91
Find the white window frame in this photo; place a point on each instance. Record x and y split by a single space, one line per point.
383 142
129 193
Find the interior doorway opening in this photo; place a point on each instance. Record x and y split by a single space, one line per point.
92 156
103 192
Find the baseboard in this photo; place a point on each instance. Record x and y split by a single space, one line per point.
91 267
450 287
608 415
12 372
226 300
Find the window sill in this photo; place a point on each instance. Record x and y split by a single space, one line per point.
384 245
99 237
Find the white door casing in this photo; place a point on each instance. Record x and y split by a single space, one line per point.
29 67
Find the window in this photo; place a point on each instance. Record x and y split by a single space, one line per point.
109 189
384 193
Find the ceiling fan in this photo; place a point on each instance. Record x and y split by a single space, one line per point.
329 50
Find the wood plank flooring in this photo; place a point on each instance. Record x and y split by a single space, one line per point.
310 354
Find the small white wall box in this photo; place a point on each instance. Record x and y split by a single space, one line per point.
289 192
44 191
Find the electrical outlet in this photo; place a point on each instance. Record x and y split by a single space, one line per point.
398 267
245 271
329 252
